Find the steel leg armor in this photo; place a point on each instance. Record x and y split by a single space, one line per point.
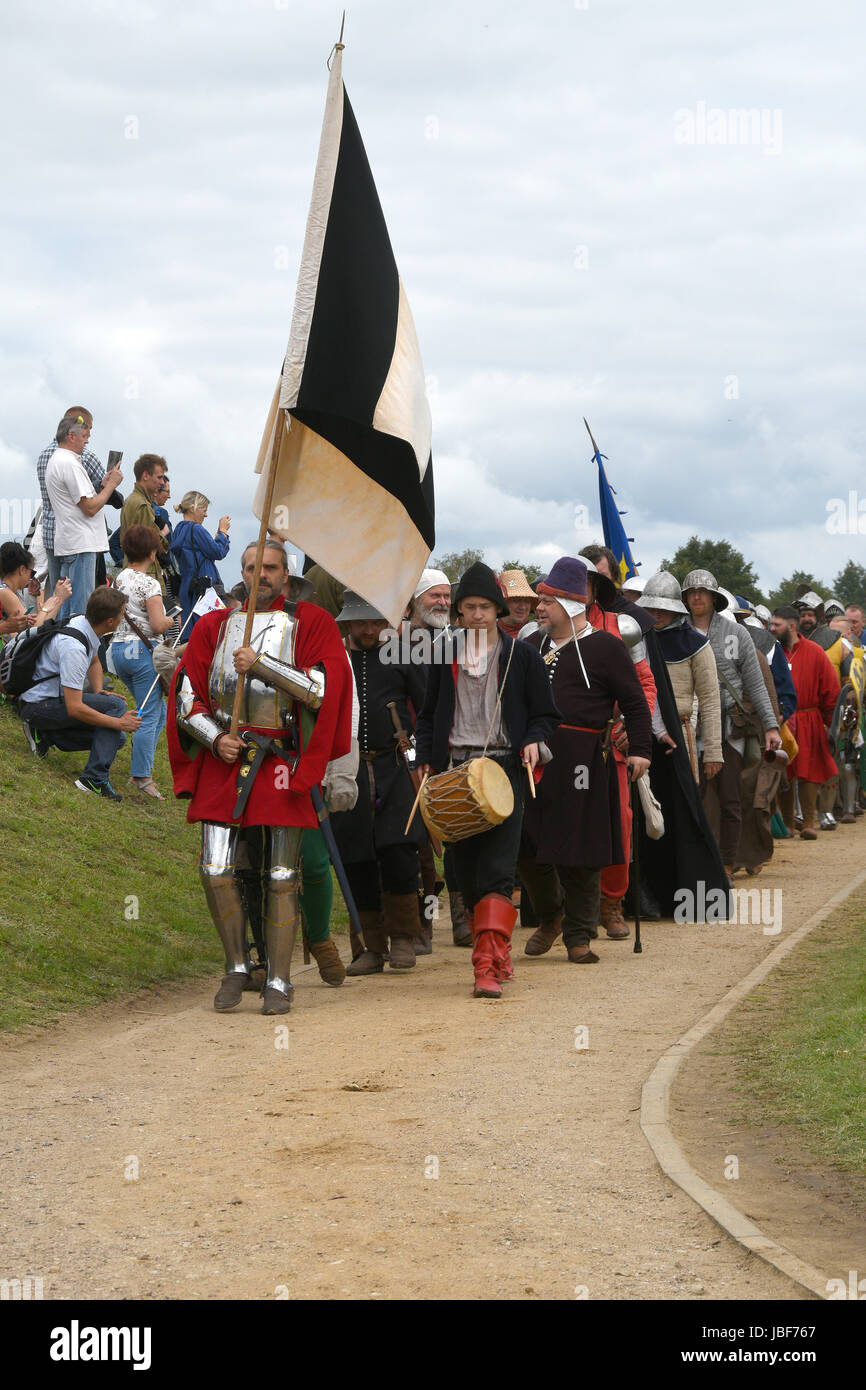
219 845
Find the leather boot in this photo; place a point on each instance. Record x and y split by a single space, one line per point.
423 943
371 959
808 793
461 932
327 958
492 924
544 936
400 911
612 919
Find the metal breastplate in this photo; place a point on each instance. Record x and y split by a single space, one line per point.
262 707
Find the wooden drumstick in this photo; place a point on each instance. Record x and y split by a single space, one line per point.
415 803
531 780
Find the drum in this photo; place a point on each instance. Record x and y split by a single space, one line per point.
467 800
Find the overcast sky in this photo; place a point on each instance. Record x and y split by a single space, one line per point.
573 236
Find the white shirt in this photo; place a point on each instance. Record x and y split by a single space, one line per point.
138 588
66 481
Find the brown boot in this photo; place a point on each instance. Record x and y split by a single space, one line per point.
582 955
543 937
809 806
461 932
371 960
327 958
230 992
612 919
400 911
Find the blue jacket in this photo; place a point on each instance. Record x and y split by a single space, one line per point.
195 550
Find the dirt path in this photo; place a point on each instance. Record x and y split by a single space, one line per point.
312 1168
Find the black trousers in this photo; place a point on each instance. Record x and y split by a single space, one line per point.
395 870
563 888
486 863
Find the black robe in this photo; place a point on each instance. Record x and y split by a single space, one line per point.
687 855
575 817
385 793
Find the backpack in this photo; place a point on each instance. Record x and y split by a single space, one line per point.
19 656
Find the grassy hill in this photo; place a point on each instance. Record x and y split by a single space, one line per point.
97 899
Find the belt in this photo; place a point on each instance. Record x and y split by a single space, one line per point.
582 728
370 753
464 755
258 747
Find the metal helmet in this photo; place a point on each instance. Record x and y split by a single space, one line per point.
732 607
633 585
357 609
833 609
763 612
702 579
662 591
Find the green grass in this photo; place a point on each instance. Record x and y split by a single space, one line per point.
799 1044
72 865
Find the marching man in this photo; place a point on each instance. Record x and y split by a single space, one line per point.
295 717
495 702
573 830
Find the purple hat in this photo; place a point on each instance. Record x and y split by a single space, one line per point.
567 579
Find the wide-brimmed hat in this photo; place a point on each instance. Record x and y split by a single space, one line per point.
479 581
357 610
567 579
514 584
662 591
702 579
605 589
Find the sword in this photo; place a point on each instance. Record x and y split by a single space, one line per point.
330 840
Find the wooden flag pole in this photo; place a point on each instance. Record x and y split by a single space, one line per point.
279 427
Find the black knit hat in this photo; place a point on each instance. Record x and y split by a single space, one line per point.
479 581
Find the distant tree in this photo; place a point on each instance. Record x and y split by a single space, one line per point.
730 569
849 586
532 572
456 562
786 588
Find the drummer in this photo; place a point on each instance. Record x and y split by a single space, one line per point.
490 694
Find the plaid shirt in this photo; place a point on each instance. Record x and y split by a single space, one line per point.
92 467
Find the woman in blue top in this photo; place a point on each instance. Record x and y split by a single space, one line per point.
196 550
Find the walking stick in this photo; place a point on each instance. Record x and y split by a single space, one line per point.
635 849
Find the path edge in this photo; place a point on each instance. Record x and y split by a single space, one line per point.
655 1113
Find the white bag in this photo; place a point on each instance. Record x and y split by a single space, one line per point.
652 811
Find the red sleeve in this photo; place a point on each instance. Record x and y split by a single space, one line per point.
195 662
648 685
828 687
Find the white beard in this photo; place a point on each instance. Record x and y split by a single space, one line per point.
436 619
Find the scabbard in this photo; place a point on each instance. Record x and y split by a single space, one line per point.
330 840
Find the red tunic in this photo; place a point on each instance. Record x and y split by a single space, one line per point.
211 784
817 686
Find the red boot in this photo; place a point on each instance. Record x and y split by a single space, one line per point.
493 921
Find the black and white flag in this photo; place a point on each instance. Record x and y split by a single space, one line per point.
354 485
